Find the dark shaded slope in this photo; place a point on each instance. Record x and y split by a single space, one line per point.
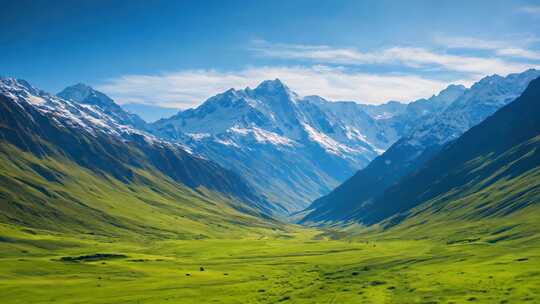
504 146
411 152
367 183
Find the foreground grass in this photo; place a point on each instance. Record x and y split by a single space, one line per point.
301 266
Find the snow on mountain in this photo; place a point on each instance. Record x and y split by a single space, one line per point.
439 120
86 95
292 148
384 111
273 110
87 117
92 131
483 99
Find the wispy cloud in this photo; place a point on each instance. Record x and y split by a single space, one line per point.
530 9
334 73
191 87
519 53
517 48
469 43
420 58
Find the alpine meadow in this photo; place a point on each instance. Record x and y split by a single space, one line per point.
269 152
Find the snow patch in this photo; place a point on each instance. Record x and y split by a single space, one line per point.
263 136
326 142
36 100
198 136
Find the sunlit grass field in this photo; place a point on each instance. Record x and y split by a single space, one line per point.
70 235
298 266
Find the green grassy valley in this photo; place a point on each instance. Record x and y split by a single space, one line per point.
70 235
296 265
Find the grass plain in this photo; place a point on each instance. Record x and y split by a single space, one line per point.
298 265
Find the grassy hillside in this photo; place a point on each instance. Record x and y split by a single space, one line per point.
504 147
69 235
58 195
488 211
391 183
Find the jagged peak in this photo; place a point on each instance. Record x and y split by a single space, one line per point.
11 81
83 93
452 90
19 84
488 79
77 92
496 79
528 72
455 87
272 85
81 85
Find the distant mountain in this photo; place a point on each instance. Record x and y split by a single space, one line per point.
150 113
90 130
418 145
493 170
293 149
386 110
405 116
85 95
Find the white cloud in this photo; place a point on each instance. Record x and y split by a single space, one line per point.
330 73
191 87
516 48
419 58
520 53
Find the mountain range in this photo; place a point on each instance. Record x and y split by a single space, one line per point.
267 151
50 142
294 149
357 199
491 171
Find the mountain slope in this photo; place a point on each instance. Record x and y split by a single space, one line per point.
291 148
83 94
503 149
56 194
413 150
57 139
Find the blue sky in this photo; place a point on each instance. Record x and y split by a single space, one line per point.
178 53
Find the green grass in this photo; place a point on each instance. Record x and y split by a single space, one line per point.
300 266
57 195
69 235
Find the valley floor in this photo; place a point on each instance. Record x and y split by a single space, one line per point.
299 266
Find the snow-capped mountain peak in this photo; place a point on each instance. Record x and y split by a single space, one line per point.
86 95
69 113
318 142
470 108
274 91
269 86
18 85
